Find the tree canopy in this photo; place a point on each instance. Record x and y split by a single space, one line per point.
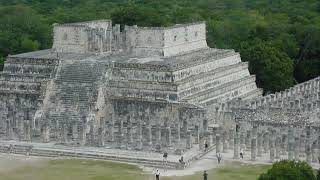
293 170
280 39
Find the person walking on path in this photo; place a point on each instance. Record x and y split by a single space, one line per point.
241 153
219 157
165 160
206 146
205 175
157 174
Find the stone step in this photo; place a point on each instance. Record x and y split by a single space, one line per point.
75 154
211 82
213 92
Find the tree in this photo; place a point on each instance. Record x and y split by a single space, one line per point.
285 170
22 30
273 68
318 174
1 63
141 16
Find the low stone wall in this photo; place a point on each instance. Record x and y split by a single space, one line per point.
30 150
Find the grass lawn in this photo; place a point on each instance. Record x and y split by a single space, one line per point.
102 170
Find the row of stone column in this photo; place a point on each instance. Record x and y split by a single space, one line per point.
278 144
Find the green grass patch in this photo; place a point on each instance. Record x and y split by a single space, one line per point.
234 171
103 170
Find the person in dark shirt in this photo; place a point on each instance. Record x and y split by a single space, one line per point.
205 175
206 146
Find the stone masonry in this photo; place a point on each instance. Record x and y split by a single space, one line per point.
141 88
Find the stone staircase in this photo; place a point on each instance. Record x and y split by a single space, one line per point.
75 90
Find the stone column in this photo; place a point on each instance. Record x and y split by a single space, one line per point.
265 142
314 152
236 145
178 138
64 133
74 131
83 134
196 134
57 130
205 125
272 147
290 143
201 143
168 136
231 139
9 132
111 129
45 133
159 135
225 143
218 143
189 140
185 128
129 134
302 145
278 147
254 143
296 148
284 140
27 126
120 133
101 137
208 136
92 137
308 145
20 128
253 149
242 140
149 134
140 137
260 140
248 140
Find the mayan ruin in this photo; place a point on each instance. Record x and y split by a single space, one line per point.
104 91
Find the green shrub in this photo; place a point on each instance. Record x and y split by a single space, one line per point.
289 170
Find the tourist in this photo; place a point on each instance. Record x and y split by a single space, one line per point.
181 161
165 160
219 157
205 175
206 146
241 153
157 175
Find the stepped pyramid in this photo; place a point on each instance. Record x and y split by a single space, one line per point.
138 88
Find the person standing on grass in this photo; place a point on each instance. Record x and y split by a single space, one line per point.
205 175
157 175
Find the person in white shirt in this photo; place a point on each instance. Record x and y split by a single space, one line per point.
157 174
241 153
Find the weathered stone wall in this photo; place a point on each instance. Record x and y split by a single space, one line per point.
90 37
184 38
171 41
23 83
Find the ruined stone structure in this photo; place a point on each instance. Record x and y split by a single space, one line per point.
143 88
285 125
